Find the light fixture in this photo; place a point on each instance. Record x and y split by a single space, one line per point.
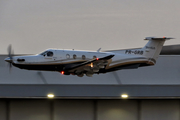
124 96
50 95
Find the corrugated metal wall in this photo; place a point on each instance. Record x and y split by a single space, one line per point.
31 109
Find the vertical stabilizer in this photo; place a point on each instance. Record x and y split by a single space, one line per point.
153 48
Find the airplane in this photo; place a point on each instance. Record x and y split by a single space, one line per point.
80 63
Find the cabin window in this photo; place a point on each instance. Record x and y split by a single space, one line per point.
67 56
94 57
83 57
74 56
49 54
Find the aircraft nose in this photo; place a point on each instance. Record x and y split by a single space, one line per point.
8 59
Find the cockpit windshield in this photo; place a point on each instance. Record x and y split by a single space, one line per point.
48 53
43 53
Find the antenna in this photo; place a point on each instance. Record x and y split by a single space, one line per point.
98 49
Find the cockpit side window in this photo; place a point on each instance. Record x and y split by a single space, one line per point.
49 54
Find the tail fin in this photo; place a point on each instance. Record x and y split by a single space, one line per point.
153 48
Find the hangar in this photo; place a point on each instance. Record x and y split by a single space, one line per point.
151 93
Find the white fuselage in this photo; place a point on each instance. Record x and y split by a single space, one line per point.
90 62
60 58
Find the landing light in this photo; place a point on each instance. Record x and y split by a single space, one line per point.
124 96
50 95
62 72
91 64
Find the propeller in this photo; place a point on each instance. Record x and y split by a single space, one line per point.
10 56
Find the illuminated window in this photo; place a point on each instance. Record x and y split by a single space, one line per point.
67 56
74 56
83 57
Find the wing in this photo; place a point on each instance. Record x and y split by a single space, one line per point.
88 67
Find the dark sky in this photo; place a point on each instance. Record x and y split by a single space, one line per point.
32 26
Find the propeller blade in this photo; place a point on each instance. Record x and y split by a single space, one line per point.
10 67
9 50
10 55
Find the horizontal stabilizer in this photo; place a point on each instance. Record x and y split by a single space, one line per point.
158 38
